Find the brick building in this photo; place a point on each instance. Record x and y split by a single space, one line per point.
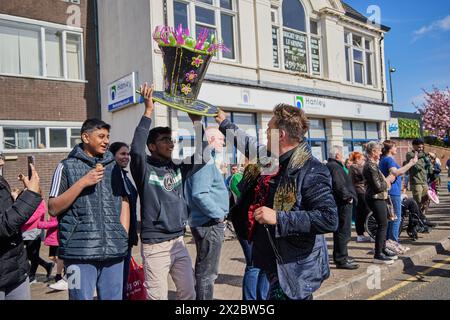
48 81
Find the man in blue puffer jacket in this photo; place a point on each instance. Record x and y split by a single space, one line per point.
285 211
89 198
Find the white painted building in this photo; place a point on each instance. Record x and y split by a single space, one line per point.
320 54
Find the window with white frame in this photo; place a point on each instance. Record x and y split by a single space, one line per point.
359 58
317 138
30 49
297 38
218 16
358 133
35 138
244 120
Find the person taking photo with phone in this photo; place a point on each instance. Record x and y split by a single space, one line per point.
14 266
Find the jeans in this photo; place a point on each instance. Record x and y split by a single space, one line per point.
379 209
255 285
105 276
208 241
393 229
18 292
126 271
342 236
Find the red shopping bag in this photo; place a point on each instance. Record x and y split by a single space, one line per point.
135 286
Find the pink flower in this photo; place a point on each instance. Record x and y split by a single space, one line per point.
197 61
191 76
186 89
201 38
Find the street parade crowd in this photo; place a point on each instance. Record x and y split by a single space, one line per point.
281 203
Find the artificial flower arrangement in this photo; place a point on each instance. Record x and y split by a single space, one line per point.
168 36
186 61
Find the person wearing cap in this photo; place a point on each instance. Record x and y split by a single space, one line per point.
89 198
14 266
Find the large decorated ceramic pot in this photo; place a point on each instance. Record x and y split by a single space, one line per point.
186 61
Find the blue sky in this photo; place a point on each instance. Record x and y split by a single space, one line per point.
418 46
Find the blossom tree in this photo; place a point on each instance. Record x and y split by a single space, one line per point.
435 112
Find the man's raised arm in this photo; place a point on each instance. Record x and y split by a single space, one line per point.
139 144
246 144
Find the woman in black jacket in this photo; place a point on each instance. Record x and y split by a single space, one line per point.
14 266
362 209
376 196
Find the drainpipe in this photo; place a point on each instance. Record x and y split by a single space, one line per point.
386 129
382 69
166 22
258 66
166 19
97 56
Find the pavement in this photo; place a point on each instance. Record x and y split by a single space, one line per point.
342 284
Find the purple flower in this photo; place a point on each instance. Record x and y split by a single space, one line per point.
191 76
178 34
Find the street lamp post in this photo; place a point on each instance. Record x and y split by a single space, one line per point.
391 71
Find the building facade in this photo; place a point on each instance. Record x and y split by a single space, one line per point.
319 55
48 77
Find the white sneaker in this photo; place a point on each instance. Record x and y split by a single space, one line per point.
363 239
61 285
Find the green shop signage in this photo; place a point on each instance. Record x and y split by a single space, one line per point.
409 128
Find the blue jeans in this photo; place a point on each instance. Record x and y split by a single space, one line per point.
393 230
255 285
105 276
208 241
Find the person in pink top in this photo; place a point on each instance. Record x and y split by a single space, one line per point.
51 240
32 238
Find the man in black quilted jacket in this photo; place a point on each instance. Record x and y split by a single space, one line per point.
14 266
344 194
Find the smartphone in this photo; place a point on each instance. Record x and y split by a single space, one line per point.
31 160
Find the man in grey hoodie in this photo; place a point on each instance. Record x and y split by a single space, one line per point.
207 197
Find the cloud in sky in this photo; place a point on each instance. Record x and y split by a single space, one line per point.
439 25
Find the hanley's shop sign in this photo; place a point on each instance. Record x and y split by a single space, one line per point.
122 93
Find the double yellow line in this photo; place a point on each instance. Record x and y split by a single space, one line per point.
409 280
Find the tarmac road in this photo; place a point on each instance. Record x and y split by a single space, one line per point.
430 281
